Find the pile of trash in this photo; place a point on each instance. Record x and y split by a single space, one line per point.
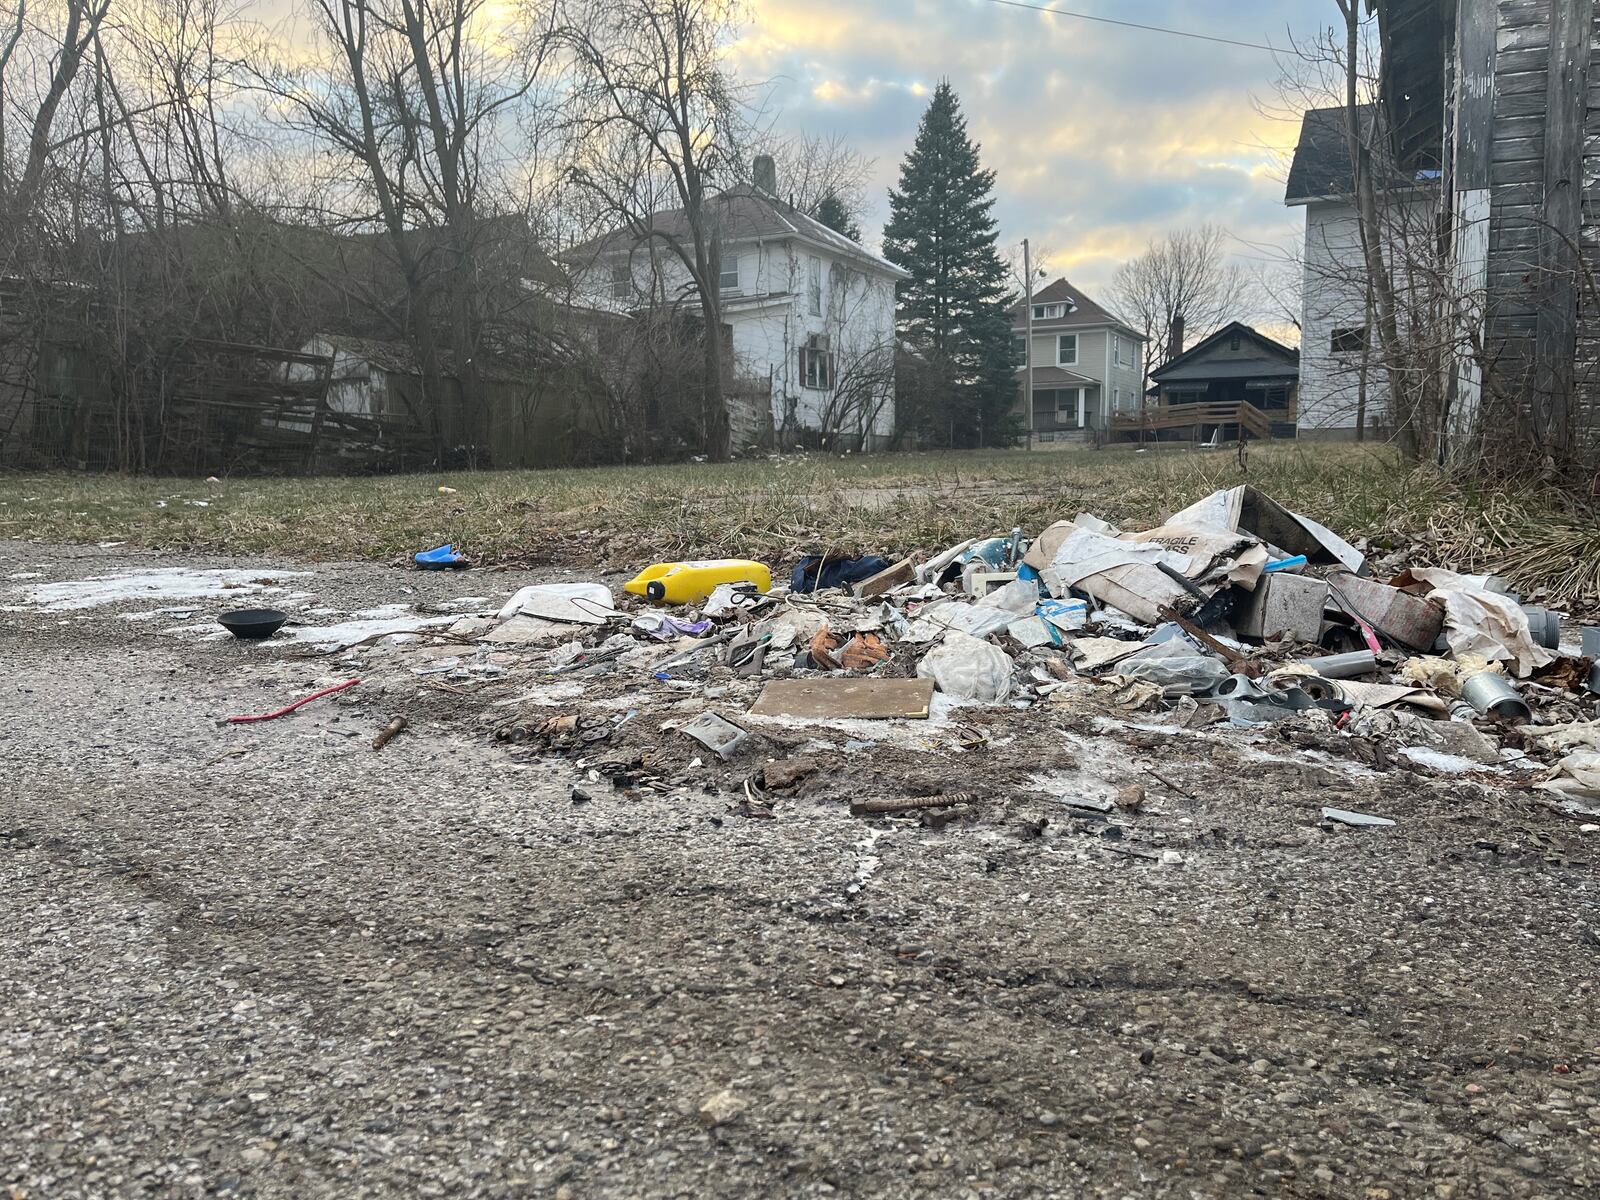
1235 611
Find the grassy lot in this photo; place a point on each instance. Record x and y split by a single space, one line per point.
777 509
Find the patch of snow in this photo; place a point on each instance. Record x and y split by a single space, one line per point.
1450 764
549 693
161 583
867 863
369 624
910 733
181 613
27 575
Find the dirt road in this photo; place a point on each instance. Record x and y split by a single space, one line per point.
271 961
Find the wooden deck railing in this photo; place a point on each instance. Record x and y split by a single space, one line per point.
1252 420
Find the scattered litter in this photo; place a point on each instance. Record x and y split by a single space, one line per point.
440 558
1089 803
289 708
863 808
665 628
1355 820
387 734
814 572
967 668
574 603
693 582
720 736
253 624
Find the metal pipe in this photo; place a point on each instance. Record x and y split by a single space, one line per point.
1492 694
1343 666
1543 625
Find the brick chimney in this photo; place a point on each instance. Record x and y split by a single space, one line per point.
764 174
1175 339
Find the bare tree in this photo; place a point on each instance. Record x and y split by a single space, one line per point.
1187 274
658 123
814 168
1383 307
411 108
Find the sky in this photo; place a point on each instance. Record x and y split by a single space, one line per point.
1101 137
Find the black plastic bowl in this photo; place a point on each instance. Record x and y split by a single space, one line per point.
253 622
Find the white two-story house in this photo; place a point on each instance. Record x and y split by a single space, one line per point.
808 312
1343 384
1087 366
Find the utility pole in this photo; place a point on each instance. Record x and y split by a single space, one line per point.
1027 339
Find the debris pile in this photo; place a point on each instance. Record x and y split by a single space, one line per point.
1235 611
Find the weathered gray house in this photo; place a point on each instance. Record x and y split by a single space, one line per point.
1495 100
1237 382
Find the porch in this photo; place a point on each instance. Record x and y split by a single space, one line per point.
1229 408
1064 414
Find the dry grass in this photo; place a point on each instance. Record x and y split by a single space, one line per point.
776 510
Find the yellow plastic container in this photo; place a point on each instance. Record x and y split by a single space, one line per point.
692 582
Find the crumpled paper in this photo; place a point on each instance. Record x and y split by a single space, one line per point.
1578 771
1484 623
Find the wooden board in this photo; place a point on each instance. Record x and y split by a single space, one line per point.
845 697
894 576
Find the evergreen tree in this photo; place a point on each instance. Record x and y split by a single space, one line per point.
954 306
832 213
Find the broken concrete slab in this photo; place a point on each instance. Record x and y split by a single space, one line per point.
1286 605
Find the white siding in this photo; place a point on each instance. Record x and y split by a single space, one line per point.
1333 297
771 319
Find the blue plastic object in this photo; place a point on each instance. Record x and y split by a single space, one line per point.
1024 571
1286 564
439 558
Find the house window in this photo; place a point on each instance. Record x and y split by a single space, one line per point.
1049 312
1116 399
1019 351
1067 402
814 285
622 282
816 365
1233 342
728 281
1067 350
1348 341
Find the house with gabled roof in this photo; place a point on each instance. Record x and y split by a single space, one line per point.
809 313
1234 384
1344 390
1087 365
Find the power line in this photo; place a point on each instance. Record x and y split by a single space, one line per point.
1078 16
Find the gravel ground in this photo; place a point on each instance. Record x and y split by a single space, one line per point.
270 961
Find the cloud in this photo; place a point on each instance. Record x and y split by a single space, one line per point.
1101 137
